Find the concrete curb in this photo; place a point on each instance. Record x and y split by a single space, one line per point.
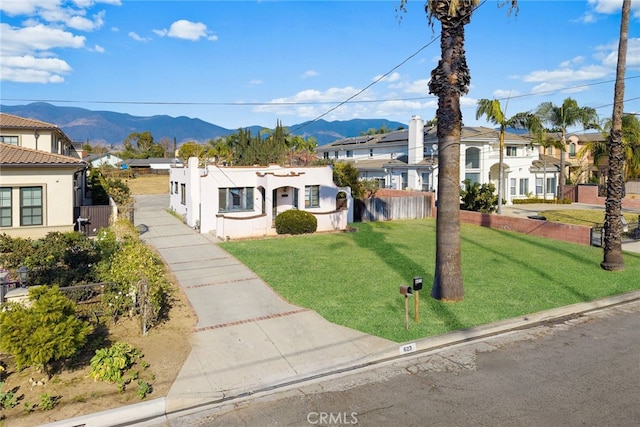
154 412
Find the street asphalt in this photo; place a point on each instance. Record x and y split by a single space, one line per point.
249 341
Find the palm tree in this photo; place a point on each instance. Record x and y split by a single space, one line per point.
449 80
630 146
562 117
612 224
490 108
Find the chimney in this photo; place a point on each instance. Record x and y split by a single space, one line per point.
416 140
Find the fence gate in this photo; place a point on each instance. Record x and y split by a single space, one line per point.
93 218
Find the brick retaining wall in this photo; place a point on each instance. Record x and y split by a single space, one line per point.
589 194
552 230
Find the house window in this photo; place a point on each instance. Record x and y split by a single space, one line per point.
5 207
472 176
538 185
349 153
312 196
54 145
425 181
405 180
335 154
572 150
235 199
11 140
326 155
183 194
512 186
473 158
30 206
524 185
370 152
549 151
551 185
175 187
512 151
171 187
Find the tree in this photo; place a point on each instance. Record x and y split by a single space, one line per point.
492 111
192 149
45 331
612 230
449 80
346 175
220 151
630 146
562 117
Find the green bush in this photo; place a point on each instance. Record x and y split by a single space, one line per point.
294 221
479 198
44 331
110 364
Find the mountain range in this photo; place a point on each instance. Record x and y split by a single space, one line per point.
111 128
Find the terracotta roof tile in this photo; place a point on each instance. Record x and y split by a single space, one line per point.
11 155
16 122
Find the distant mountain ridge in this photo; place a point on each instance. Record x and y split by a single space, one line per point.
111 128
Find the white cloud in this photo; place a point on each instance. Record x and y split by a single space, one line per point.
255 82
609 7
504 93
29 69
309 73
36 38
27 51
186 30
608 54
137 37
393 77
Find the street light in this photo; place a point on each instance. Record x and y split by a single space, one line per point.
23 276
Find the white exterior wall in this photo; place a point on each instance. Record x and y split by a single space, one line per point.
201 208
57 200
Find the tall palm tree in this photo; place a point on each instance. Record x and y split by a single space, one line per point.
615 183
562 117
492 111
449 80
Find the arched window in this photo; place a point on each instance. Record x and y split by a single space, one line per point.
473 158
572 149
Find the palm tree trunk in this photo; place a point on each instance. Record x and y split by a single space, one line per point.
449 80
501 171
562 168
612 224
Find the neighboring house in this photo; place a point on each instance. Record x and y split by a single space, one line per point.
39 191
580 168
34 134
42 180
150 165
408 160
239 202
104 159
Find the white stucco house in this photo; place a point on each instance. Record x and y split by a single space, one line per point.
41 178
102 159
408 159
239 202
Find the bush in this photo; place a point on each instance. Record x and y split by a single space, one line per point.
294 221
110 364
479 198
45 331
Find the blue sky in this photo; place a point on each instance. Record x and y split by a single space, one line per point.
243 63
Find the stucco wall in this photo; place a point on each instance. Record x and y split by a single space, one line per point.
589 194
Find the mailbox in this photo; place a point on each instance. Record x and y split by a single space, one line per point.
406 291
417 283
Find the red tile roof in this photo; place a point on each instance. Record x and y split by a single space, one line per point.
16 122
11 155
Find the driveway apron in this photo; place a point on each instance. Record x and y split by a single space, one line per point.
247 337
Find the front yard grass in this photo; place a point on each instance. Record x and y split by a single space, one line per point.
588 217
352 279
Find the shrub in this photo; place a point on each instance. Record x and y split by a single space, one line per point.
110 364
479 198
294 221
45 331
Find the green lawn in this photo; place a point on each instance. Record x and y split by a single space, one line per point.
352 279
588 217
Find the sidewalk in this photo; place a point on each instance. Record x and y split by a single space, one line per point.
247 337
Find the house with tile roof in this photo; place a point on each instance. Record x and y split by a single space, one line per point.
408 160
41 178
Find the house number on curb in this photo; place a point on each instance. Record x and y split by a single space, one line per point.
408 348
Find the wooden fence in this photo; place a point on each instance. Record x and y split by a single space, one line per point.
388 208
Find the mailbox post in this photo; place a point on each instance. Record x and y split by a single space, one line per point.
406 291
417 286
